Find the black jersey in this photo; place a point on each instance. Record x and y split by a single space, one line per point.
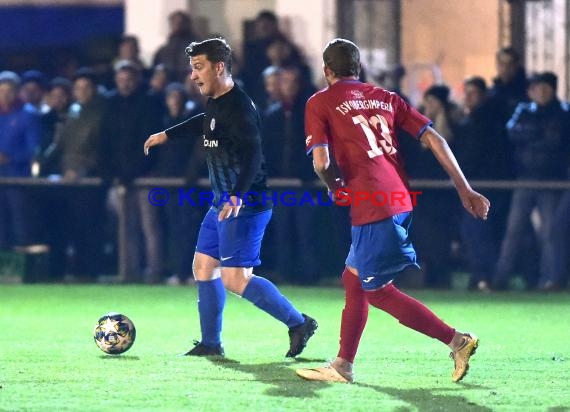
230 128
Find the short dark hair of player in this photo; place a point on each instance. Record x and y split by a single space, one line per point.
342 57
477 82
511 52
216 50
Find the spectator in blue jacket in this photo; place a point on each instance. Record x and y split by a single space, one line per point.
19 140
540 134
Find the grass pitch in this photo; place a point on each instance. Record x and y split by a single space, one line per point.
49 362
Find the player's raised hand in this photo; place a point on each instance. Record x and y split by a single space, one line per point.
155 140
476 204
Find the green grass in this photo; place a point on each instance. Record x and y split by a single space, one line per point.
49 362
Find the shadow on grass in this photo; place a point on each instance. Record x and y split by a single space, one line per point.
282 378
286 384
120 357
310 360
427 400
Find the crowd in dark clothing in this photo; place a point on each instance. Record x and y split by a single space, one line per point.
95 123
517 129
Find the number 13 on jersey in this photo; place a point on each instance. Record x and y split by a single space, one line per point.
386 146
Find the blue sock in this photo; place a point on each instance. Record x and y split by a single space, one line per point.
265 295
211 301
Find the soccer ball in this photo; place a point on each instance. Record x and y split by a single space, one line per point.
114 333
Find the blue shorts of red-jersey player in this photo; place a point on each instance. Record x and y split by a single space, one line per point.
380 250
236 241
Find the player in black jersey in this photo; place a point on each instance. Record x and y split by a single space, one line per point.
229 240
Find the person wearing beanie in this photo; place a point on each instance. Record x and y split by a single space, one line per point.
32 90
432 233
438 107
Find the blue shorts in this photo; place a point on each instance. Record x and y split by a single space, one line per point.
235 242
380 250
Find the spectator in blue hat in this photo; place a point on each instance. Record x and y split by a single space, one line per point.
19 140
32 90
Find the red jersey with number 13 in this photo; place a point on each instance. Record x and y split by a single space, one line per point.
358 122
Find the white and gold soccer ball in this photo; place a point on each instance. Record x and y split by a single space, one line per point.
114 333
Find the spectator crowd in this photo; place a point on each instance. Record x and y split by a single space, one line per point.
94 121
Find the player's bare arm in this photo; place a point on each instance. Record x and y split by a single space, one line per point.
155 140
475 203
324 170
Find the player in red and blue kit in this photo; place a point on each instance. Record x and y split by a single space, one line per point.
353 125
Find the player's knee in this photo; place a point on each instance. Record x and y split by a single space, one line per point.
384 292
236 279
205 268
205 273
233 286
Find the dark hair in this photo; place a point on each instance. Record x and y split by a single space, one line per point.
216 50
62 83
129 38
186 28
267 15
342 57
85 73
440 92
34 76
509 51
180 13
176 87
476 81
292 69
161 67
545 77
